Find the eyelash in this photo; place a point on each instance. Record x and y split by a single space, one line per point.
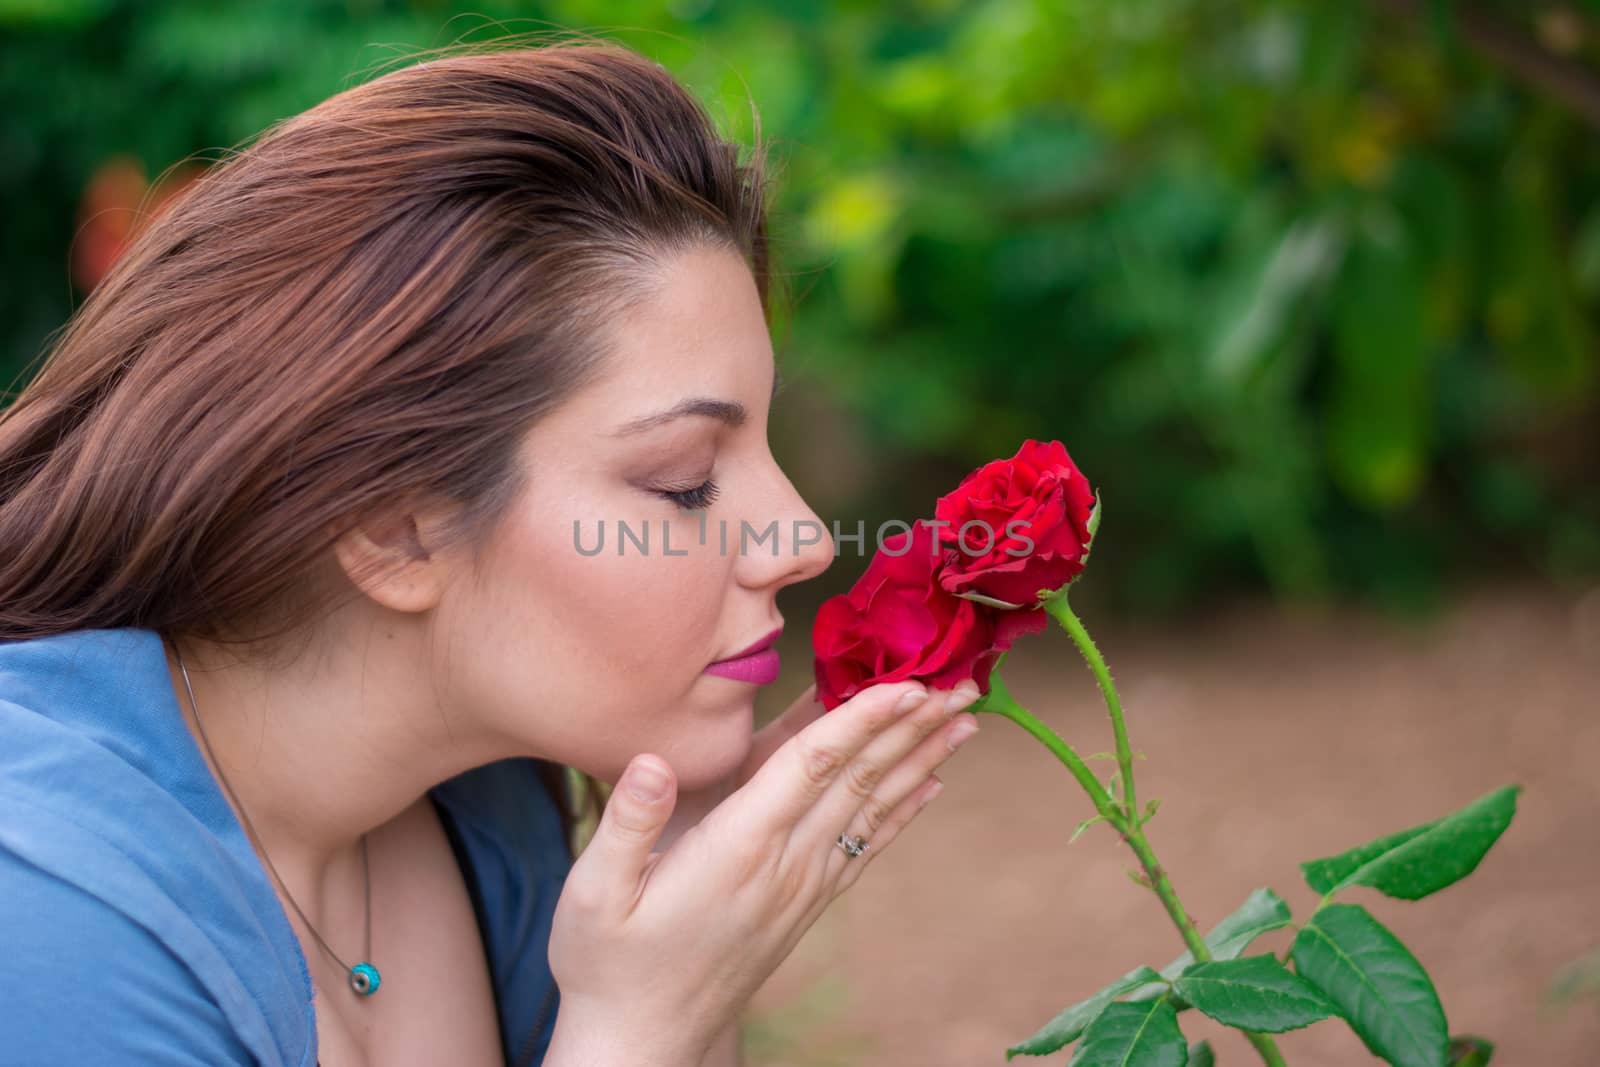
695 499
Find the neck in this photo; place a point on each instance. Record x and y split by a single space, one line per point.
327 749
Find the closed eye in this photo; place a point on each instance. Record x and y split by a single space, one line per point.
693 499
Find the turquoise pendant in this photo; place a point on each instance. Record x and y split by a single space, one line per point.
364 979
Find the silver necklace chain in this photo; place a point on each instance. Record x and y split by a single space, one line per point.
365 866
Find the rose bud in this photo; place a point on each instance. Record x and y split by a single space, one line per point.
1019 529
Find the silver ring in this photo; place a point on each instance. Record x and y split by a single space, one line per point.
853 846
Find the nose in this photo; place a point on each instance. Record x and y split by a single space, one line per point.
785 543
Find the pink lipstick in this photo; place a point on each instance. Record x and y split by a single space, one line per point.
757 664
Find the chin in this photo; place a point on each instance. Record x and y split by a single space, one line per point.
717 752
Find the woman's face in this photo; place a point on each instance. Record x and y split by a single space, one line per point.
589 658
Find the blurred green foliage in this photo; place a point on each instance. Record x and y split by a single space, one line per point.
1308 288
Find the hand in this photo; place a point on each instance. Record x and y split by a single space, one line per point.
663 949
694 805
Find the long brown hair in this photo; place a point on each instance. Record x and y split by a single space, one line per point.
374 300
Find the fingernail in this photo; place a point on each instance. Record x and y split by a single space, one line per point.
960 733
911 700
935 790
960 697
647 783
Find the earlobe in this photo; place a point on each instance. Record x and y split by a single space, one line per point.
392 561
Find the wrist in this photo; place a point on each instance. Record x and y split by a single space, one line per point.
599 1038
726 1049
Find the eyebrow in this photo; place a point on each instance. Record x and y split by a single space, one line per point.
728 411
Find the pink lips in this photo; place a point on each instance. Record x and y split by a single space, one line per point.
757 664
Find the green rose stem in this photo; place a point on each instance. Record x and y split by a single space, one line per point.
1000 701
1122 816
1060 611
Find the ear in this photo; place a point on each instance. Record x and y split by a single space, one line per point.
396 557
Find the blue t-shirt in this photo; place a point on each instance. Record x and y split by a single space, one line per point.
137 925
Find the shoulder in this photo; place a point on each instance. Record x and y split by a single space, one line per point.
126 875
83 983
143 929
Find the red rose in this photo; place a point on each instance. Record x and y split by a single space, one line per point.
1034 510
897 623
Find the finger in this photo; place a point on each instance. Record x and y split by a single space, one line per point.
871 766
803 769
908 776
609 871
898 819
805 710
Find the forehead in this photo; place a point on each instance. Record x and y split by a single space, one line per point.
700 331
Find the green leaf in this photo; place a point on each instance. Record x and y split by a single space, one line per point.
1442 21
1469 1051
1261 912
1150 810
1253 993
71 13
1200 1055
1534 313
1133 1035
1580 978
979 598
1378 407
1376 983
1266 296
1424 859
1084 825
1069 1024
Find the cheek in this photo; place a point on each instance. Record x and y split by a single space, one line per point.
621 621
616 644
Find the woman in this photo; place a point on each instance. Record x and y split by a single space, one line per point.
301 616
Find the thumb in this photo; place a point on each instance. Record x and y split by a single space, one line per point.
635 814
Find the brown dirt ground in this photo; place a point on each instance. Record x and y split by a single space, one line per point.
1272 736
